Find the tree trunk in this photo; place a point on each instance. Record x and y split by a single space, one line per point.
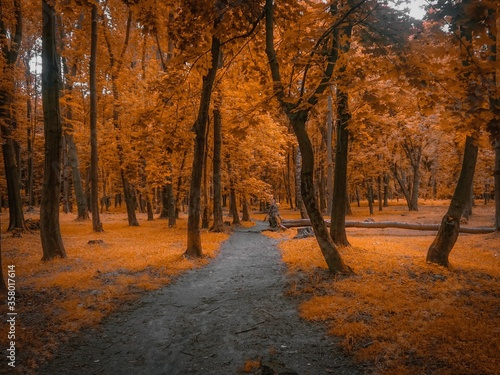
325 242
170 201
77 179
329 155
299 203
164 203
8 119
386 190
370 196
218 224
298 119
337 229
233 205
402 184
448 232
194 248
149 208
72 153
497 183
246 212
379 193
50 231
65 178
94 171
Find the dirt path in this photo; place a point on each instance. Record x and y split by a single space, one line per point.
210 321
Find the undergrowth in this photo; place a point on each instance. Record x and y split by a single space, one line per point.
58 298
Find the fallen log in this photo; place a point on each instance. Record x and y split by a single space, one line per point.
388 224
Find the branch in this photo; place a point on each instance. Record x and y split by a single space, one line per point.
271 52
250 32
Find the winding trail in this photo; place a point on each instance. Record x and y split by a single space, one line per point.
209 321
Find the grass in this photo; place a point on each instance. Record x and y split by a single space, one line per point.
58 298
398 314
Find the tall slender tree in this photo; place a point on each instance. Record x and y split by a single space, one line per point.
194 248
50 230
94 168
8 121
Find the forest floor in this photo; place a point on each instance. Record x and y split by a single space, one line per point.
105 309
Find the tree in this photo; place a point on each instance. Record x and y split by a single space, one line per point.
339 198
70 145
94 169
116 64
194 248
297 112
450 224
50 231
8 121
218 224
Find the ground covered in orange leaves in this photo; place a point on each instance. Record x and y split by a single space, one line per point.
398 314
57 298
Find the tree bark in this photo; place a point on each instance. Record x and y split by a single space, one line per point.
450 224
299 203
337 229
497 183
170 201
370 196
8 121
66 197
329 155
246 212
233 205
50 231
325 242
94 168
218 224
194 248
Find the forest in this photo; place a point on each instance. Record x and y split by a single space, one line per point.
141 137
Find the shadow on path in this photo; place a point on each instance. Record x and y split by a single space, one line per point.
209 321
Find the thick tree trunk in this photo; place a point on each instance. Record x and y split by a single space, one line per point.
337 229
8 121
194 248
50 231
94 171
448 231
246 212
325 242
218 224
